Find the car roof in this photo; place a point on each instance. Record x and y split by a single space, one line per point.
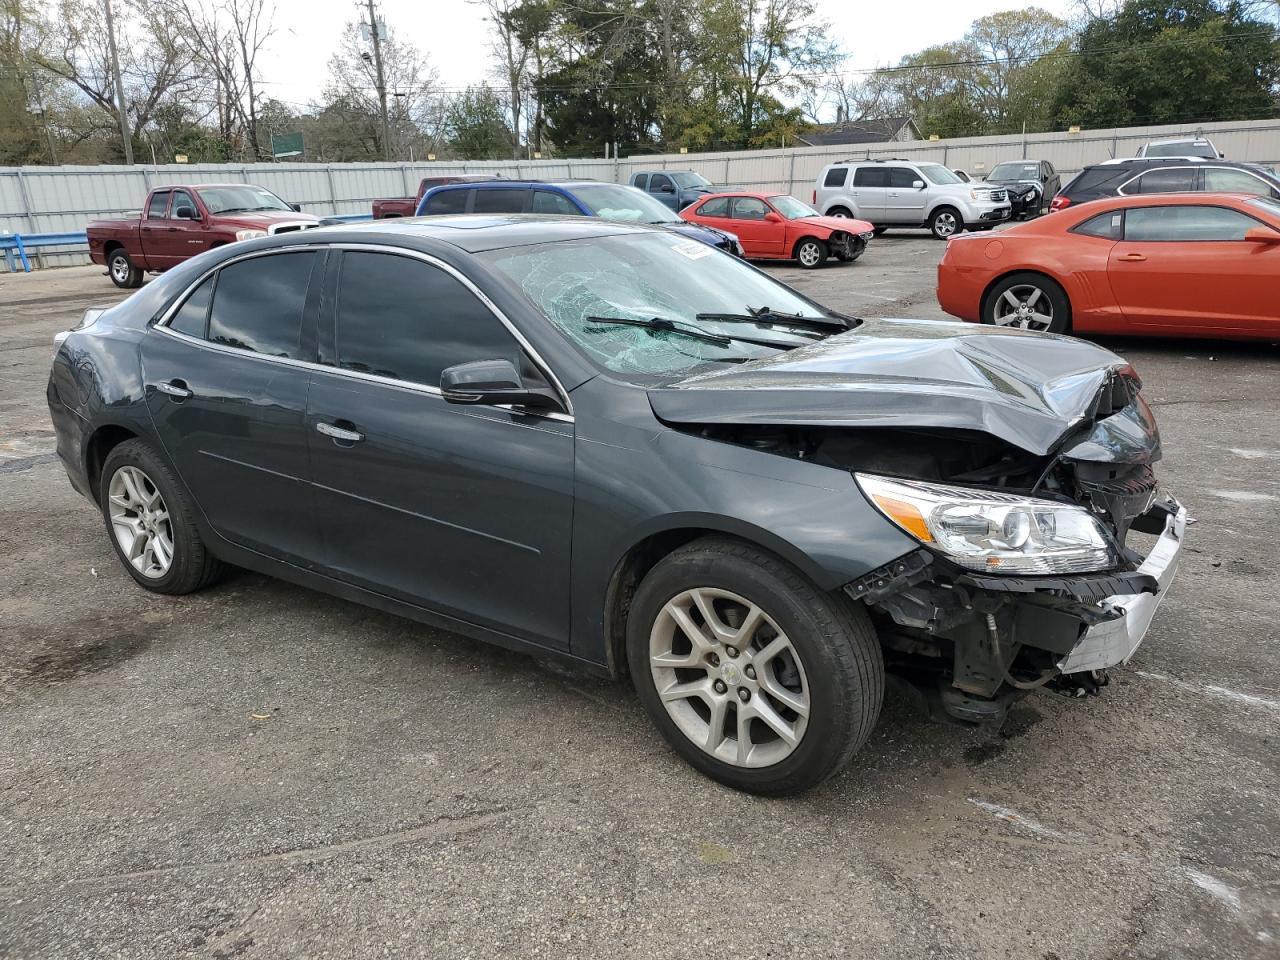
475 233
1197 198
519 184
758 194
1154 143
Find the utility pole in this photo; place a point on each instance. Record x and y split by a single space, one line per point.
381 78
115 79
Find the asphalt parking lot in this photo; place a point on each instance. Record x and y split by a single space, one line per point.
260 771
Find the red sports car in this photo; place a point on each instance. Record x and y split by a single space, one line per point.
775 226
1194 264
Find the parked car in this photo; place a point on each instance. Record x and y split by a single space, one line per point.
1031 184
1199 265
1124 178
674 188
774 226
179 221
1181 147
405 206
586 198
903 193
581 438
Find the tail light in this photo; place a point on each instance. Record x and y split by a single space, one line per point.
814 197
1060 202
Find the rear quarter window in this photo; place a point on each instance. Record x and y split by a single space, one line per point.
836 177
1109 226
447 201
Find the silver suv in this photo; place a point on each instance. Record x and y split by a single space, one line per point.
903 193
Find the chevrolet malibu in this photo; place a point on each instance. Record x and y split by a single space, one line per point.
614 445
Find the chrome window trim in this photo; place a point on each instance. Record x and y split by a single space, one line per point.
162 324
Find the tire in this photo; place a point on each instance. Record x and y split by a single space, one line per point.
811 253
135 472
841 212
946 222
1049 311
830 661
878 230
122 271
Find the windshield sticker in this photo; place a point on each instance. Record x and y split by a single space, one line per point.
693 249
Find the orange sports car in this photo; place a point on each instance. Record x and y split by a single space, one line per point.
1189 264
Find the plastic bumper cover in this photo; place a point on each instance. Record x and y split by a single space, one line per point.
1113 642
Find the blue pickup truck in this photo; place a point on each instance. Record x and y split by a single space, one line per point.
675 188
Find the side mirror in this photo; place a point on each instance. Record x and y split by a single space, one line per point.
1262 235
185 213
918 184
773 217
493 382
295 207
667 188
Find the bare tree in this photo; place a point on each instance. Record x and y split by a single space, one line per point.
513 54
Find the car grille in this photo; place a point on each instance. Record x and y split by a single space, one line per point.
291 227
999 196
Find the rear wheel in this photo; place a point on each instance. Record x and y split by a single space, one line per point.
811 253
123 273
840 212
1028 301
753 675
149 518
946 222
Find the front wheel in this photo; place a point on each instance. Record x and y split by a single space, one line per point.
811 253
1028 301
123 273
754 676
946 222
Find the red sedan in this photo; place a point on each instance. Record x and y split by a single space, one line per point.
775 226
1195 265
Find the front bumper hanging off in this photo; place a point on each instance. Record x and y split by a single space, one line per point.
1113 642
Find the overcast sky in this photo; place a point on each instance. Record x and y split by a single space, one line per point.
453 34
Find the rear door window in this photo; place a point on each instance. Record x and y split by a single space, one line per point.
404 319
640 180
448 201
1185 223
156 205
836 177
192 317
749 208
871 177
500 201
715 207
258 303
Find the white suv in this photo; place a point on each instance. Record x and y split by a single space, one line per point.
903 193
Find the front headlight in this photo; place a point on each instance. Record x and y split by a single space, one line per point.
250 234
868 235
991 531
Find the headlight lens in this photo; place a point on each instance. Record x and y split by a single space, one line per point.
868 235
991 531
250 234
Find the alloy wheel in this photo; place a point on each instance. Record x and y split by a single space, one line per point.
729 678
809 254
120 269
945 224
140 521
1025 307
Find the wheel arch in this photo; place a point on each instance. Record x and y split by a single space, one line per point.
656 544
98 447
824 240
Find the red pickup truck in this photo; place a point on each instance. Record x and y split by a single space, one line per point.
180 221
407 206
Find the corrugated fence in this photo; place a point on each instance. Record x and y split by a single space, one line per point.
62 199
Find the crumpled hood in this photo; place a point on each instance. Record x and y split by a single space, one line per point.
1027 389
1018 187
843 224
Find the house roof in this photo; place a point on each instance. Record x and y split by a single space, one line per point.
879 130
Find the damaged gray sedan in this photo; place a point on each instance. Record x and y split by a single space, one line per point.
605 443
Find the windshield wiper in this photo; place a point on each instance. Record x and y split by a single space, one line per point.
691 330
834 321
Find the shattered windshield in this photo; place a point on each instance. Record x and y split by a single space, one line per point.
648 275
1015 171
614 201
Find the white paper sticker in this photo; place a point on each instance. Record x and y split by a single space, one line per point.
693 249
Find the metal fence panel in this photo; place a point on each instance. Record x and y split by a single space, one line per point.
63 199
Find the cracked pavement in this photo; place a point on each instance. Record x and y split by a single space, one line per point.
260 771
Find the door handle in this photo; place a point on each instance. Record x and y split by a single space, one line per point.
174 388
339 433
1132 258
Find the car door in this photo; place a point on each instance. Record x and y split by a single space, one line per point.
183 237
870 193
905 202
227 393
153 232
465 510
664 188
1187 269
759 237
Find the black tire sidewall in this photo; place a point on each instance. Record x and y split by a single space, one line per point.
835 707
186 572
1052 289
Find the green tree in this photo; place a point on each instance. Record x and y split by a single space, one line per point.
476 126
1156 61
